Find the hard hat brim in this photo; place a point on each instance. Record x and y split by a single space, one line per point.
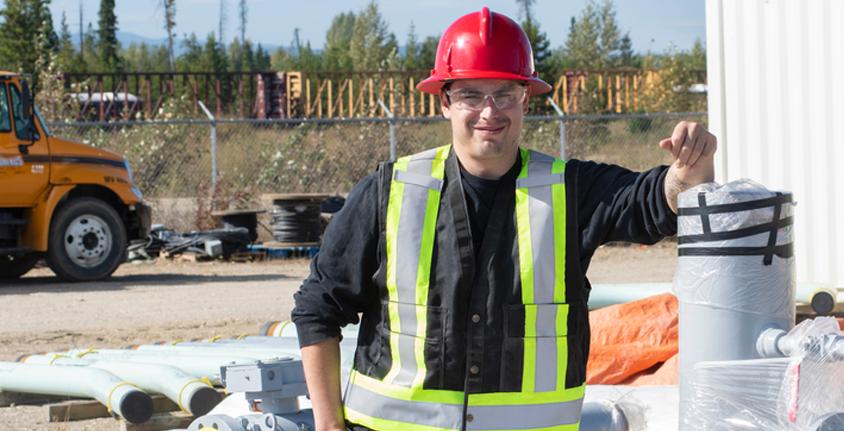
435 83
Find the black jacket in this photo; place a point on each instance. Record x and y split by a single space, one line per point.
604 203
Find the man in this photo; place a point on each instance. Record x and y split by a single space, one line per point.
467 262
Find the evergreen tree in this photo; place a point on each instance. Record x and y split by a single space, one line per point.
281 60
594 40
371 44
191 54
249 58
235 52
626 56
697 56
338 39
609 41
307 59
581 49
411 51
428 52
66 58
108 46
25 21
538 40
213 56
89 52
262 59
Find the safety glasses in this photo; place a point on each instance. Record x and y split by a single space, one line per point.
474 100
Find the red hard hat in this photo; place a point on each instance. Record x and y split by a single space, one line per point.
484 45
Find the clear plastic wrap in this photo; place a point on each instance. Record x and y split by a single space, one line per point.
734 282
734 277
802 392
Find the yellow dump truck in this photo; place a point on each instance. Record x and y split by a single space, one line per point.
70 204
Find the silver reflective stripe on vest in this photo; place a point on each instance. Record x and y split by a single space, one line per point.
450 416
524 416
539 181
418 180
409 243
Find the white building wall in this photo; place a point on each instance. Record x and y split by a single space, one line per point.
776 103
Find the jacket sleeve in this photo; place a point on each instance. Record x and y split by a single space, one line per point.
616 204
340 283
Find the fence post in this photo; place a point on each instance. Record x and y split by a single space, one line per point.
561 119
213 146
392 130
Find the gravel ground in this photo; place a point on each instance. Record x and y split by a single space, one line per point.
164 300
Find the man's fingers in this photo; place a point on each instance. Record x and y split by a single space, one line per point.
665 144
678 138
697 138
700 146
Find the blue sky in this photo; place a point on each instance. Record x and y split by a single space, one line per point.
653 25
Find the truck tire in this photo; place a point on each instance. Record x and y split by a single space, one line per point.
12 267
87 240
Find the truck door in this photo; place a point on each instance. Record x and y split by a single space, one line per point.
23 176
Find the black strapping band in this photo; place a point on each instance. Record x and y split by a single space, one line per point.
768 251
784 251
704 216
779 199
738 233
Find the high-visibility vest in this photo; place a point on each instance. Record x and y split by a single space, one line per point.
399 401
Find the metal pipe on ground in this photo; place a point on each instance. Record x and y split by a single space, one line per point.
119 396
193 395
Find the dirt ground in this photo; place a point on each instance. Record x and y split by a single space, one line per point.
164 301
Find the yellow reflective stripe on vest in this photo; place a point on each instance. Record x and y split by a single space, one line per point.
393 213
540 219
379 405
411 223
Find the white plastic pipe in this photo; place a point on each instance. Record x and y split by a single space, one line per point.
119 396
214 349
191 394
206 365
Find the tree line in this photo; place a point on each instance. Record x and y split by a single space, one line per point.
355 41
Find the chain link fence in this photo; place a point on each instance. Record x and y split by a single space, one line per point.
173 160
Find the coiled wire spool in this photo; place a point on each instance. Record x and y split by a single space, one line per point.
295 217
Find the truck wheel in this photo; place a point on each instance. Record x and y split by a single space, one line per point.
87 240
12 267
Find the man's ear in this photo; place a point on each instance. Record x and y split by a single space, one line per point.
444 106
526 103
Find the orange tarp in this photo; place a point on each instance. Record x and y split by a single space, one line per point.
636 343
631 342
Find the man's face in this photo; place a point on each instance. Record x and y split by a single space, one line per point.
483 129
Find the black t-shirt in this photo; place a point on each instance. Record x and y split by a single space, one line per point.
480 196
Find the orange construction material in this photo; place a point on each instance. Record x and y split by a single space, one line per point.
841 323
632 339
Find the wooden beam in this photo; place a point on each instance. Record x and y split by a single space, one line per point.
77 410
19 398
330 99
411 89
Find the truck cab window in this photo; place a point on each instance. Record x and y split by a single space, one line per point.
22 124
5 120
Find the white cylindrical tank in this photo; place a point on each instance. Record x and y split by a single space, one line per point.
735 274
